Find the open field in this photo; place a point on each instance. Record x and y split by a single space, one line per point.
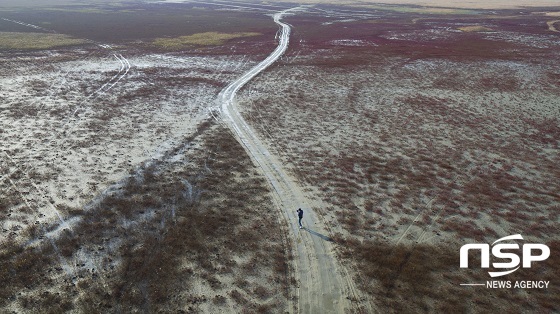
405 132
436 4
119 190
101 171
139 22
415 138
172 235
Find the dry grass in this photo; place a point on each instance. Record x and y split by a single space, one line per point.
474 28
414 155
162 234
416 9
15 40
426 278
200 39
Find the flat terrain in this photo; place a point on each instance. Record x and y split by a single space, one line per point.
403 131
120 191
415 135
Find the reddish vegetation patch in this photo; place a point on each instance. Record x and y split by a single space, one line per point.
418 139
429 37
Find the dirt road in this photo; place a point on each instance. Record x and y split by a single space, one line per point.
324 287
551 26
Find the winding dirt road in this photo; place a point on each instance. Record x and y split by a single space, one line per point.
324 286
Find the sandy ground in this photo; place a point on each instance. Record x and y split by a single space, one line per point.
71 127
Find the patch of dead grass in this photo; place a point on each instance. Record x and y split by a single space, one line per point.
474 28
418 10
200 39
170 229
17 40
427 278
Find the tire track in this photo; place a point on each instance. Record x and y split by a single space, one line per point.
53 209
123 71
70 271
34 204
108 85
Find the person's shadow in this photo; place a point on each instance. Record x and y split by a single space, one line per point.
315 233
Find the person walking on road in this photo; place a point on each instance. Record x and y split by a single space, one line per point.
300 216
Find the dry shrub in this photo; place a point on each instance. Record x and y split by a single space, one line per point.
238 297
161 234
207 222
19 268
426 278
